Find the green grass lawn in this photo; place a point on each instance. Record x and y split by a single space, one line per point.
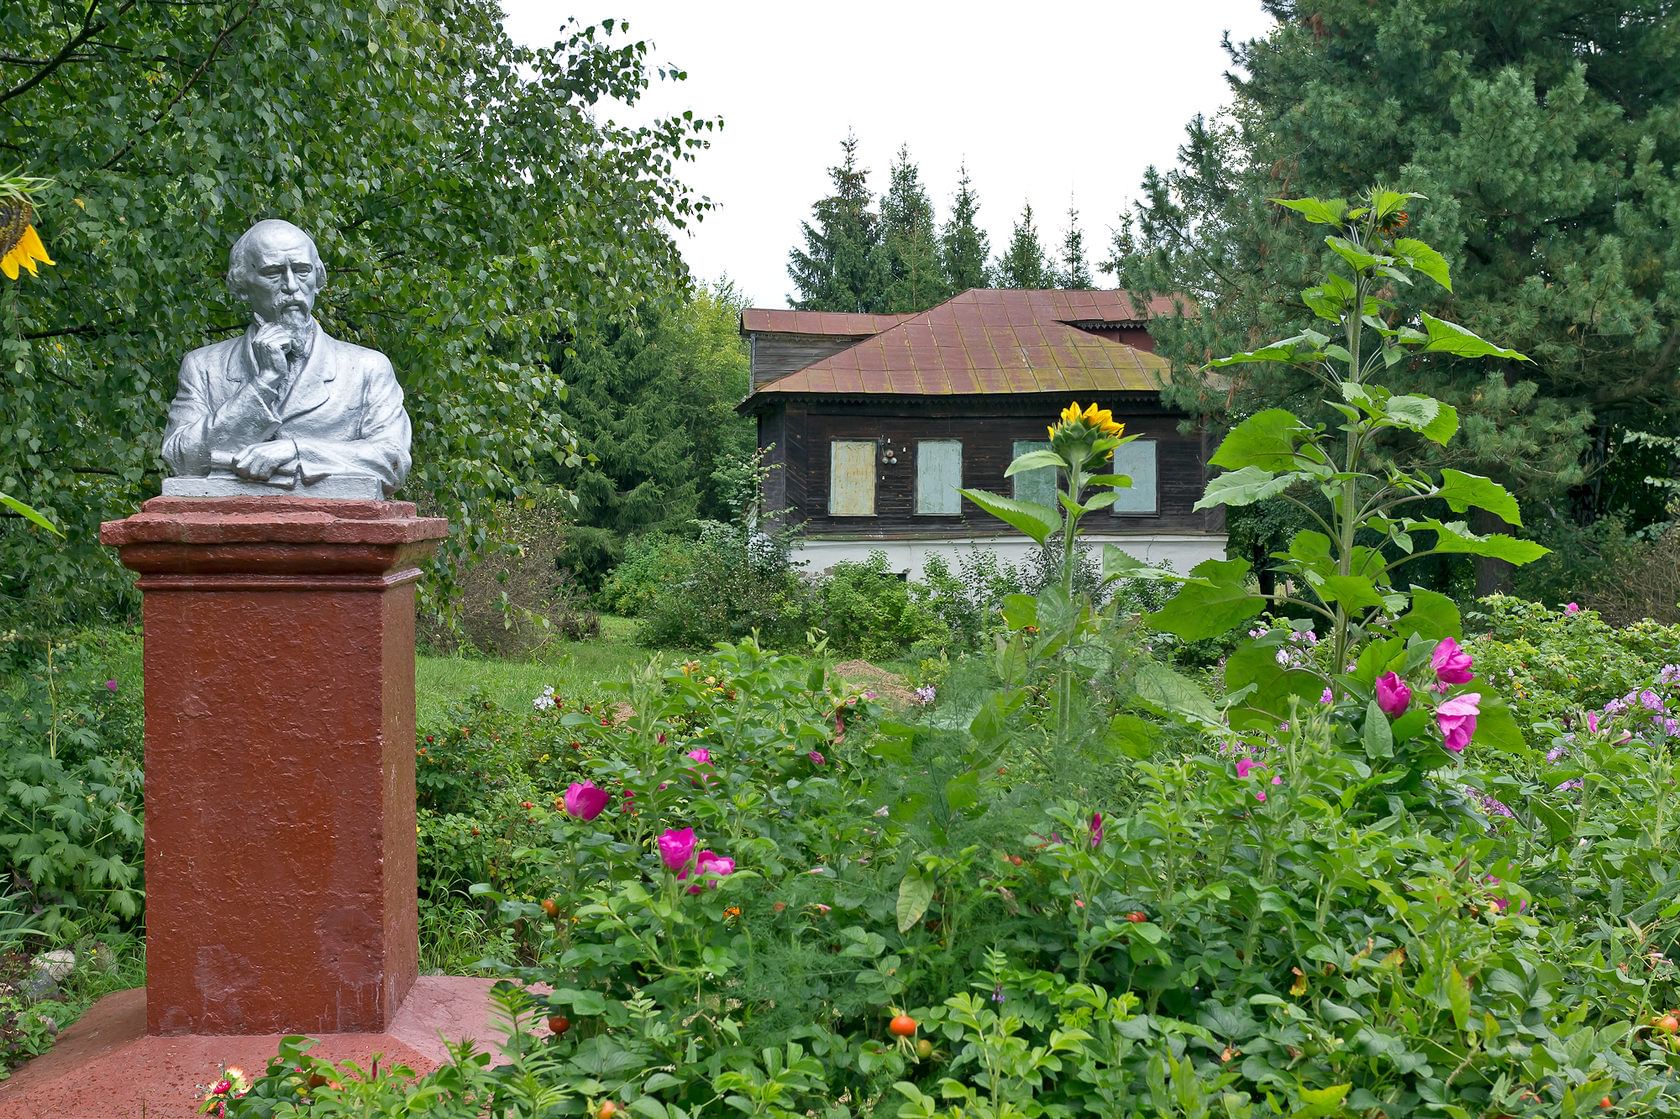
573 668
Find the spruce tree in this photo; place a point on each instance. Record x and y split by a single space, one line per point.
963 245
1544 137
910 253
1023 264
1074 273
840 267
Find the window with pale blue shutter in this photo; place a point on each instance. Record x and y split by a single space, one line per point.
1137 459
851 478
938 475
1034 485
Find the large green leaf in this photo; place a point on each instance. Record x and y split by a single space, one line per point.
1455 538
1121 564
1255 664
1034 460
1355 592
1462 491
1354 255
1303 347
1431 418
915 894
1266 439
1037 521
1161 689
28 513
1425 259
1244 487
1215 599
1432 616
1319 211
1450 338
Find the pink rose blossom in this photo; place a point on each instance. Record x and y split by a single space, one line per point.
817 758
1260 796
1394 695
709 862
676 848
585 800
701 756
1243 766
1592 721
1277 779
1451 664
1571 608
1457 719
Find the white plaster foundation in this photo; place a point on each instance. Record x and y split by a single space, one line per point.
1182 550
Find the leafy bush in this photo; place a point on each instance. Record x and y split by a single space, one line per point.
968 602
869 611
729 582
1559 662
71 819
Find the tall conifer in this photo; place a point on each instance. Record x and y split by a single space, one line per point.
914 279
1075 272
839 269
1023 264
963 245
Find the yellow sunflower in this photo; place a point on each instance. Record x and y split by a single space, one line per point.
20 245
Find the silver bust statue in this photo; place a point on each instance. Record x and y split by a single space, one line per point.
285 407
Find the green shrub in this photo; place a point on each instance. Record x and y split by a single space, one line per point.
1557 664
729 582
870 611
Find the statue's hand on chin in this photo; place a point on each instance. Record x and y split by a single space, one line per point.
270 346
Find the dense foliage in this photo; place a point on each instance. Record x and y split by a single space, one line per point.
474 204
638 469
1547 133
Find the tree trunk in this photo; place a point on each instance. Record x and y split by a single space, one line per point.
1492 576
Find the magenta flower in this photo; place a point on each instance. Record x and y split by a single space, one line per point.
1457 719
1394 695
585 800
1260 796
1592 721
676 849
1243 766
1451 664
700 755
709 862
110 685
1328 696
1096 829
1571 608
817 758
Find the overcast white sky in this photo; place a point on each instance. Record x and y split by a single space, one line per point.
1045 102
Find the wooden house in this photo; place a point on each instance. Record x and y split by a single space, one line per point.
873 422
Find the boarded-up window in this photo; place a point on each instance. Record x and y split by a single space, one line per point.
1034 485
1138 460
938 474
851 478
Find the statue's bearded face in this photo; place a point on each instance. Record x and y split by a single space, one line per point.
281 278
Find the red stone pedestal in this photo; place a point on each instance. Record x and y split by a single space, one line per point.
107 1066
280 830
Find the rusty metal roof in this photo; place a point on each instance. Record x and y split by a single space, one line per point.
773 320
988 341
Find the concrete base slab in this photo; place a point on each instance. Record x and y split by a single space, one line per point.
107 1067
338 487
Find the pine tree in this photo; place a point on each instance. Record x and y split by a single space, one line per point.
1544 141
1075 273
1023 264
963 245
840 267
910 253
